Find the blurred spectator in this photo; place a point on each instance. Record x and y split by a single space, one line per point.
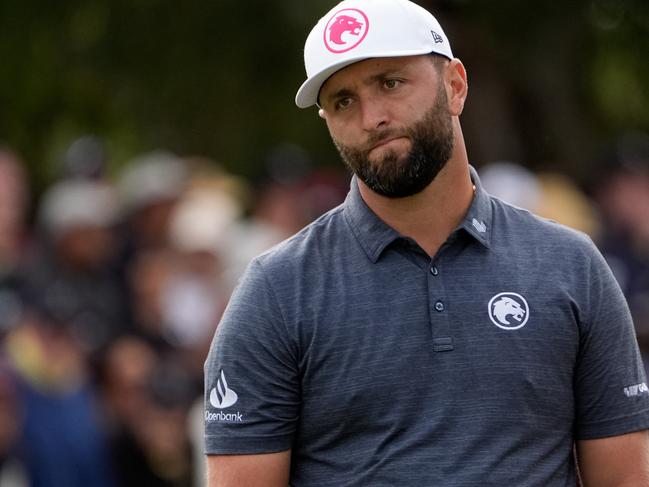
147 397
549 195
149 189
161 376
171 290
563 202
60 440
512 183
70 273
265 227
195 295
282 206
213 201
177 303
622 192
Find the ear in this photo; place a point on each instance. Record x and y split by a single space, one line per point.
457 86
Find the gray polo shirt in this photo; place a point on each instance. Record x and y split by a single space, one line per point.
380 366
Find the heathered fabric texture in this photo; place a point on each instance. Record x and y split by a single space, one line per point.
380 366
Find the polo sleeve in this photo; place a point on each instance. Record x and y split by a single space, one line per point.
611 393
252 394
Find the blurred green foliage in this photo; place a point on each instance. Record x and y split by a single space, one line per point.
549 81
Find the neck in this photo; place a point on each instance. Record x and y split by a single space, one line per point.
429 217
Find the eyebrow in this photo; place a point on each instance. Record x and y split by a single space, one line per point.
342 93
345 92
387 73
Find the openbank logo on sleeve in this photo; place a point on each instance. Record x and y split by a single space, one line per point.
508 311
222 397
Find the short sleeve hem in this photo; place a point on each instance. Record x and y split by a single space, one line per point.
614 427
226 445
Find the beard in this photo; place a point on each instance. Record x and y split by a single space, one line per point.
394 177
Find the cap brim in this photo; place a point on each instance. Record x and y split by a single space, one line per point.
307 94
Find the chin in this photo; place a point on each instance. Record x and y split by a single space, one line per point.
389 157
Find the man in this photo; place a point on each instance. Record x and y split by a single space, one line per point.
423 333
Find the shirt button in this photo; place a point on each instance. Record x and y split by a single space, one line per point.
439 306
434 271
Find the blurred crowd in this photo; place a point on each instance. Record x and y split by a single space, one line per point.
111 287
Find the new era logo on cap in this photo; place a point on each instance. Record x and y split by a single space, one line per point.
345 30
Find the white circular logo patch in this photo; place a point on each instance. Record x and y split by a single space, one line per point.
508 311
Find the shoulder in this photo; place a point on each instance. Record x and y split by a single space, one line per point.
314 244
285 280
516 228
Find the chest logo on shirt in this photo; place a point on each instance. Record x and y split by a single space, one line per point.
222 396
508 311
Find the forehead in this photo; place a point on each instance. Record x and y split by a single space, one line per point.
366 71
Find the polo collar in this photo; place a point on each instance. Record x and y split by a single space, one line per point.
375 235
478 220
372 233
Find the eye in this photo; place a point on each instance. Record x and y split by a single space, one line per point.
343 103
391 84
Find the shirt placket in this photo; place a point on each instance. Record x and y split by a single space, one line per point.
438 306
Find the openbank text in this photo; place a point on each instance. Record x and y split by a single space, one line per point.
231 417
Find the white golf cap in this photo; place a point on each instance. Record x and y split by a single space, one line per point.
362 29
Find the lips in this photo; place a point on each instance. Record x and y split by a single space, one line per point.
385 141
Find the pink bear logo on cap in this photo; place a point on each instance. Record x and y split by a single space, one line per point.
345 30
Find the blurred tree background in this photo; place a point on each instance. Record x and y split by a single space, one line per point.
550 82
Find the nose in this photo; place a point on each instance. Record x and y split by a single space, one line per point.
374 114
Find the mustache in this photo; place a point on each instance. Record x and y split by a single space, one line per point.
376 138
